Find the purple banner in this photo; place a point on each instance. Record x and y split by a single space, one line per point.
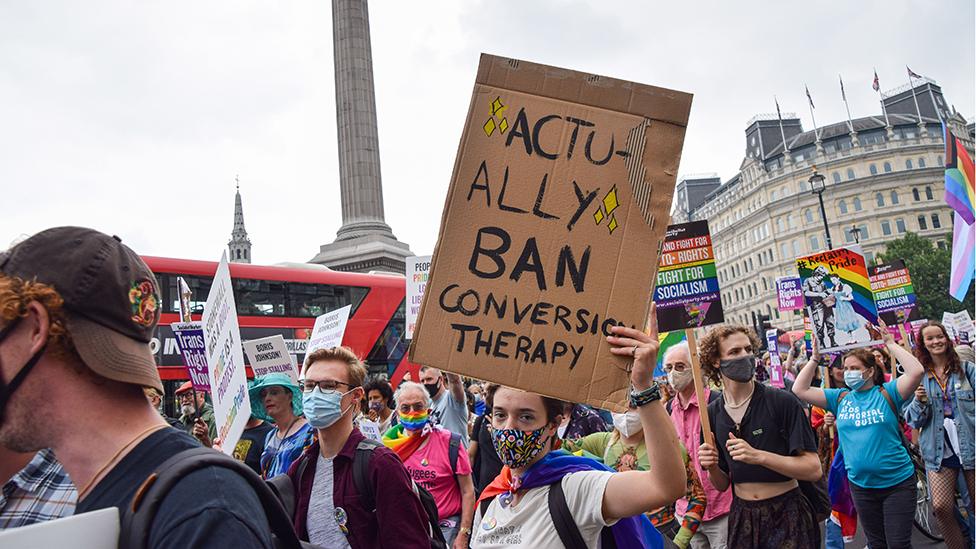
775 366
189 338
789 295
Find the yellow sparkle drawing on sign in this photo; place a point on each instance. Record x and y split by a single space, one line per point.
497 109
606 209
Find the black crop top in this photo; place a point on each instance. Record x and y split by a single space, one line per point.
774 422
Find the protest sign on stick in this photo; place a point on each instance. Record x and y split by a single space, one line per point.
228 380
189 339
789 295
775 365
417 271
839 300
269 355
687 294
559 198
328 330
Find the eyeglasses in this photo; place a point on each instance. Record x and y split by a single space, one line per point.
407 408
677 366
309 385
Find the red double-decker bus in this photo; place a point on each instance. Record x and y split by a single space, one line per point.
285 300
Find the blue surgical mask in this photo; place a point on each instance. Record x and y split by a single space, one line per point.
322 408
854 379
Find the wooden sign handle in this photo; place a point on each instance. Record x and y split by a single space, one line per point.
696 373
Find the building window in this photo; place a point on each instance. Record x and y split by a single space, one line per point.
773 195
873 169
796 248
848 235
864 232
928 193
850 174
908 164
900 225
779 224
879 199
938 160
842 205
857 204
789 221
922 225
886 228
784 250
915 194
868 258
921 162
941 244
936 222
804 186
808 215
836 177
887 167
894 197
814 243
765 284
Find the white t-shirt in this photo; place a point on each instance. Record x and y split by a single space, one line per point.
322 520
528 523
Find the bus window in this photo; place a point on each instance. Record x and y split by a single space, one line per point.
311 300
390 347
259 297
199 287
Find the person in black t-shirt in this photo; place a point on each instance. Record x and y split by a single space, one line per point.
77 313
251 444
764 446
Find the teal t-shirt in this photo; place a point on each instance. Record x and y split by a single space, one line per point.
870 436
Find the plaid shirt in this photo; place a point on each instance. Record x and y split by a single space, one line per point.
40 491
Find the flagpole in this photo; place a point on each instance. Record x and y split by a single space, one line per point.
891 131
911 82
850 121
816 132
782 134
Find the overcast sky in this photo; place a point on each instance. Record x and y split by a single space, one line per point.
135 117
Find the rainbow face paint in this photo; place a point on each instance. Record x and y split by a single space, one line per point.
413 421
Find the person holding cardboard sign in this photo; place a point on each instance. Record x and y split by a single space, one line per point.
587 495
765 446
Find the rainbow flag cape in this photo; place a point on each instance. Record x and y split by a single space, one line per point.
959 178
963 265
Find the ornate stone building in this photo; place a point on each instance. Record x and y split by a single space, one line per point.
884 177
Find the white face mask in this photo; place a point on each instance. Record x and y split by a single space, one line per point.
680 380
628 423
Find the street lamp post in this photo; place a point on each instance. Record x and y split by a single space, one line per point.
856 233
817 185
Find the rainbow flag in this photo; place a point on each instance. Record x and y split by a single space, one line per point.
667 339
959 178
963 264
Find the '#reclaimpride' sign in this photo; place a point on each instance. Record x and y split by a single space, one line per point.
559 200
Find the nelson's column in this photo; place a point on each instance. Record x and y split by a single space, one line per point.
364 242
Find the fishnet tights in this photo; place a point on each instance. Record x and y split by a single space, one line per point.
942 488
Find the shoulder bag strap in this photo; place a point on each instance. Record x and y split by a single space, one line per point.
562 518
360 472
452 451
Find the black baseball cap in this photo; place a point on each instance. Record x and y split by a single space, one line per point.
111 298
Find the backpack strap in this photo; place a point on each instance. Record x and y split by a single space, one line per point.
360 472
891 403
452 451
284 488
562 518
137 518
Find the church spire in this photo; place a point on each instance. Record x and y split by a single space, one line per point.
239 246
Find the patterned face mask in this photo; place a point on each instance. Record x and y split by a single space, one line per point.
515 447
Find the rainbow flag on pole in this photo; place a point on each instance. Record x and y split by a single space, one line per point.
959 178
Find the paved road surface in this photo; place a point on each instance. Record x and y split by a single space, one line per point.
918 541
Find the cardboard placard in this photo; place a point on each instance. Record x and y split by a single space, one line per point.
417 271
328 330
193 349
789 295
687 293
894 294
839 300
775 365
370 429
93 530
959 326
559 198
228 379
269 355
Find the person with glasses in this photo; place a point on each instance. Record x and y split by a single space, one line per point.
686 416
330 510
276 398
763 445
436 460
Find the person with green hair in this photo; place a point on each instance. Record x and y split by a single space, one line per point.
278 399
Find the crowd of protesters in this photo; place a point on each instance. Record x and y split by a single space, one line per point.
460 463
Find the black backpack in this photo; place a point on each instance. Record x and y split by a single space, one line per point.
137 517
283 488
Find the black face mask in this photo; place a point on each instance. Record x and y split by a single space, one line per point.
738 369
432 388
7 389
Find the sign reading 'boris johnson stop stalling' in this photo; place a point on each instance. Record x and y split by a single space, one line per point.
558 203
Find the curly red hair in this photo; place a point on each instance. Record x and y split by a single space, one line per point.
15 296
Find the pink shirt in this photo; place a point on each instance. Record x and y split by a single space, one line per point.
688 424
430 468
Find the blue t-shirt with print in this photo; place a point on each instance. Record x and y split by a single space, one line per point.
870 436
